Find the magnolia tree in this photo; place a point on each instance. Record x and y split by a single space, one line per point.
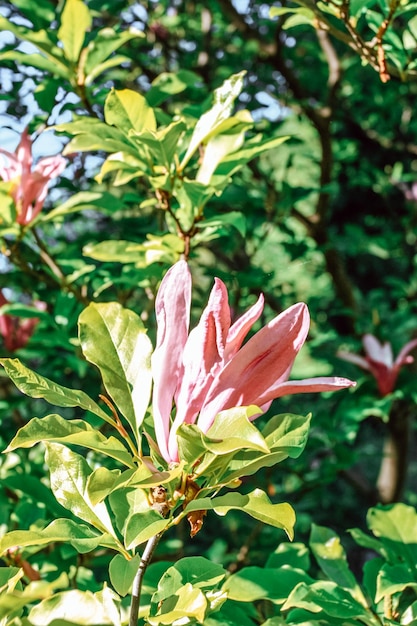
173 426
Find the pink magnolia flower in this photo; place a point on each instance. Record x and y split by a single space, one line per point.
208 370
379 360
29 187
17 331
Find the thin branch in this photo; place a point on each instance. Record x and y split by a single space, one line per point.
138 581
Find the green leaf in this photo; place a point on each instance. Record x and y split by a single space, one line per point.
115 251
189 603
83 608
256 504
128 110
197 570
328 597
76 20
105 42
90 134
39 61
122 572
162 143
223 100
39 38
114 339
83 200
394 578
35 590
142 526
36 386
294 555
396 528
80 536
69 472
331 557
236 160
56 429
257 583
168 84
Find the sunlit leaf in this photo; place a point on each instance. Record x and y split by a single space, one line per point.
75 22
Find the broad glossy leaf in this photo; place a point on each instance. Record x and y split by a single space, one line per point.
39 61
328 597
162 143
294 555
83 608
253 148
122 572
197 570
115 251
331 557
189 603
128 110
257 504
259 583
142 526
40 38
287 432
106 41
223 100
83 538
233 430
115 340
394 578
168 84
76 20
36 386
69 472
90 133
56 429
395 526
83 200
35 590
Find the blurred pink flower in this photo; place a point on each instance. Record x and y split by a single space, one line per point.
379 361
16 331
29 188
208 370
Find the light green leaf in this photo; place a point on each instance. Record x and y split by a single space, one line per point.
197 570
233 430
69 472
114 339
262 583
287 432
59 430
83 200
36 386
168 84
39 38
127 110
328 597
142 526
35 590
189 602
236 160
256 504
37 60
161 143
76 20
91 134
122 573
80 536
294 555
396 528
115 251
105 42
394 578
331 557
83 608
223 100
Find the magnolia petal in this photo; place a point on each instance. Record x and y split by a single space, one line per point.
355 359
24 153
257 368
402 356
378 351
312 385
172 308
241 327
50 167
202 359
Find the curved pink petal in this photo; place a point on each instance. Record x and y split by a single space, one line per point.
403 354
202 358
24 153
378 351
312 385
253 373
241 327
50 167
172 308
354 358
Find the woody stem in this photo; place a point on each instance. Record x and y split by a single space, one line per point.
137 583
